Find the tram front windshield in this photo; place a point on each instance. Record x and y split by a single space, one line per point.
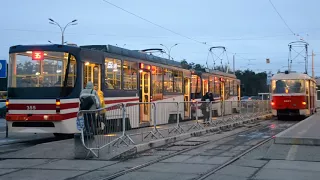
288 86
46 74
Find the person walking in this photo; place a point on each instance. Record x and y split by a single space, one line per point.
89 100
204 107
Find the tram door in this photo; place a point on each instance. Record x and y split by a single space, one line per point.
145 107
187 97
91 72
222 98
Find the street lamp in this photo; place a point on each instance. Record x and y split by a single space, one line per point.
169 49
72 23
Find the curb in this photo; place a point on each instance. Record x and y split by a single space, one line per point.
161 142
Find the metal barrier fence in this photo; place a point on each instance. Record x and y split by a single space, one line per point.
108 127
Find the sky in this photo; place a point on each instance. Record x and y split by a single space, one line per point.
250 29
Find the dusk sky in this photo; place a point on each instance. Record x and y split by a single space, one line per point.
250 28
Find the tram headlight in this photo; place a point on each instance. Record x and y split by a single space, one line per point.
7 105
58 105
304 103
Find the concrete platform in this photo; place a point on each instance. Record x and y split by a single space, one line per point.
65 149
306 132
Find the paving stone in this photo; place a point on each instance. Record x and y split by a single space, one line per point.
293 165
178 168
178 158
5 171
156 176
250 163
224 177
210 146
200 160
239 171
218 160
120 166
231 153
285 174
154 152
21 163
33 174
81 165
212 152
240 148
224 147
142 159
177 148
98 175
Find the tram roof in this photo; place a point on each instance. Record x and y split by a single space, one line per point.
291 75
113 50
132 54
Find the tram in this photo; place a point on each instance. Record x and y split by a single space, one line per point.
293 94
44 83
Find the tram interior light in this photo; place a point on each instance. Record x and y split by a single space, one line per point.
87 63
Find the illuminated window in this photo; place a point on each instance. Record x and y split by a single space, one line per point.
227 89
168 80
217 90
196 84
205 85
130 75
211 84
113 73
48 72
157 83
177 81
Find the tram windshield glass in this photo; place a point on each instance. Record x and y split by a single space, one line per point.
288 86
45 73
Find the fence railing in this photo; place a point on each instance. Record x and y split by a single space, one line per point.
153 120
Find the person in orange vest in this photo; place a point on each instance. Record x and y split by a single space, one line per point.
101 99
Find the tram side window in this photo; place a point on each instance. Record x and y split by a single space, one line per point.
168 80
177 81
217 90
157 88
236 84
211 84
231 87
227 89
130 75
113 73
196 84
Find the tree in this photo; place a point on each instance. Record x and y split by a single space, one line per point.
252 83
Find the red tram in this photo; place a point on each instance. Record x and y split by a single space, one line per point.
293 94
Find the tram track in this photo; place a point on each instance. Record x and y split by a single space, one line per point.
255 127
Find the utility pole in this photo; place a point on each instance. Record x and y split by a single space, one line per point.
234 66
313 64
72 23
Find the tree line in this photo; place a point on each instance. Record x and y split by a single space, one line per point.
251 83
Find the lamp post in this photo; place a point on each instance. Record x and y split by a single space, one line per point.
72 23
169 49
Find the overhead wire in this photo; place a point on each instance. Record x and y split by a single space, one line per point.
282 18
155 24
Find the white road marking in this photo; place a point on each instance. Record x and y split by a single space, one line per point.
292 153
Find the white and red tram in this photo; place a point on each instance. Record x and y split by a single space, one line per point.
293 94
44 83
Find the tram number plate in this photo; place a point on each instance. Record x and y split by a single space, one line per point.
80 123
